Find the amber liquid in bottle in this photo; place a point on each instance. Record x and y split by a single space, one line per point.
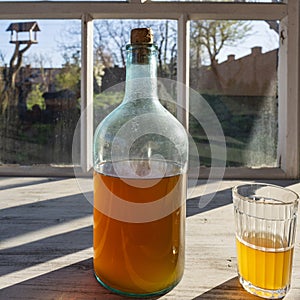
144 257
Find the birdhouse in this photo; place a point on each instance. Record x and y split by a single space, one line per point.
23 33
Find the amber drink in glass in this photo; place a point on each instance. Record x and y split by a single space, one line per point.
265 217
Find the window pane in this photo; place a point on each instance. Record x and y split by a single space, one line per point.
39 90
234 69
110 39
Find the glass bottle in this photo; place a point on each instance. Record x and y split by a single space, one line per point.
140 165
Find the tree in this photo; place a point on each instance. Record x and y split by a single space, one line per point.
35 97
208 37
2 62
9 95
111 38
69 76
37 63
2 58
167 48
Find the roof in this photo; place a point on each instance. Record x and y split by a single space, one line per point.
23 26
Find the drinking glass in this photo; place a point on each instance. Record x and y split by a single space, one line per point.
265 219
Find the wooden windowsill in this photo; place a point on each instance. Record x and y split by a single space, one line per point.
46 243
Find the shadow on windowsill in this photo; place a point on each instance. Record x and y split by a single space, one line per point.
230 289
75 281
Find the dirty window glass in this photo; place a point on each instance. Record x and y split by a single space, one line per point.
39 90
234 70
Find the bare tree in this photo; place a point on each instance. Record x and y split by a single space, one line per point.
166 40
2 58
38 61
109 43
210 36
112 36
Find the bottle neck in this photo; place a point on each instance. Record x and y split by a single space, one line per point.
141 73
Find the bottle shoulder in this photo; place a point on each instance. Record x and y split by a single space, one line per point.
134 110
141 118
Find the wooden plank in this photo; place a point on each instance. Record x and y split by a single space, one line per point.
289 93
87 93
183 72
134 10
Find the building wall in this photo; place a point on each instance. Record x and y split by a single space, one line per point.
251 75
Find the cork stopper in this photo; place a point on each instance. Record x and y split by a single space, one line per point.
141 36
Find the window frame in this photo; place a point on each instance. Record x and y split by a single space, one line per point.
288 12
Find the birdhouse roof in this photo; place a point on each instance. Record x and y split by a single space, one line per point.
23 27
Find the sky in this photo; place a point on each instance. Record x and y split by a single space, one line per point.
54 34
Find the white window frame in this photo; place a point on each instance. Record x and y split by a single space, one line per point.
287 12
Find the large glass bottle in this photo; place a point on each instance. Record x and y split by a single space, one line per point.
140 164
